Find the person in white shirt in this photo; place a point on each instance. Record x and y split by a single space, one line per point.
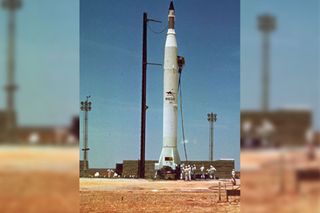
115 175
182 171
211 171
189 172
202 172
233 177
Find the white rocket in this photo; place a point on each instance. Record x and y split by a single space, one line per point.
169 155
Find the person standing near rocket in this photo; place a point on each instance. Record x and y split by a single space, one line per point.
169 156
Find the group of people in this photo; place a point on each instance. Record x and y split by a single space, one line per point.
210 172
188 172
110 174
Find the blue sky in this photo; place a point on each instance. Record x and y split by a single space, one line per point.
208 36
47 56
295 77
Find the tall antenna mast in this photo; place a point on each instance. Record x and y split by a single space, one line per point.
85 107
266 24
11 6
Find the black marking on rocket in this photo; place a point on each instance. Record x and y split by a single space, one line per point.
170 96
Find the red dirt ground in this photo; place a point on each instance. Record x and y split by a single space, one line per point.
39 179
131 195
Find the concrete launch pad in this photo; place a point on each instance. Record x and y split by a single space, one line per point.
139 195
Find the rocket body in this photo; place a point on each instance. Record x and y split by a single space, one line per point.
169 155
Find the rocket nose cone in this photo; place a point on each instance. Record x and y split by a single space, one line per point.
171 6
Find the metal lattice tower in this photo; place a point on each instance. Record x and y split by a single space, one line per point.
85 107
10 88
266 24
212 117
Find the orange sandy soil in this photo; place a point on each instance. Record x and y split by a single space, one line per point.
269 183
39 179
132 195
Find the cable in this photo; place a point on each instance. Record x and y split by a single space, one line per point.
182 123
157 32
